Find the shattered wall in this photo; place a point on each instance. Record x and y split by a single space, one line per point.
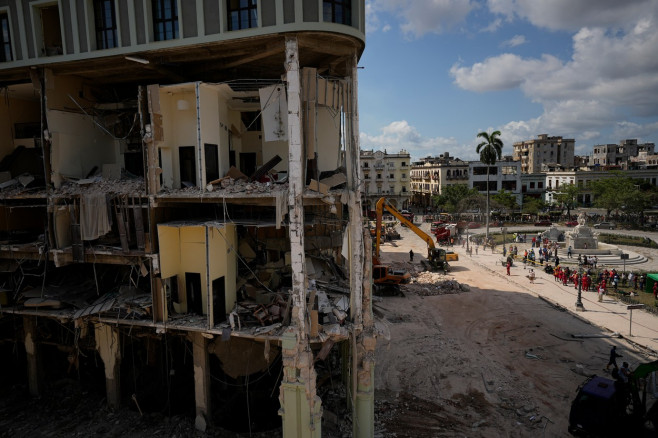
78 143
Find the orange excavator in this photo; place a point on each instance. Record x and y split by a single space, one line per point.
436 257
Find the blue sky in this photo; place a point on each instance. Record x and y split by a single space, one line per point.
436 72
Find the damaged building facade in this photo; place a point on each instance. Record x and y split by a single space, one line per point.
179 185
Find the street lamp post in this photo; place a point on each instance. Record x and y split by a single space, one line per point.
579 302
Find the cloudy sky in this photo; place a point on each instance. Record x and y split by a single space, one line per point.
437 72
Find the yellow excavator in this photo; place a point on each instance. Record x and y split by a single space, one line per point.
436 257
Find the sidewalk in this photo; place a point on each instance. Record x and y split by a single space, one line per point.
609 314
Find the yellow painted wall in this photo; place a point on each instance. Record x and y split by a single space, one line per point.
183 249
14 111
179 127
223 260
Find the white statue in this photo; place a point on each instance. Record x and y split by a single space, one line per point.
582 219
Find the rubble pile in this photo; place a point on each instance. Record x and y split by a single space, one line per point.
133 186
433 283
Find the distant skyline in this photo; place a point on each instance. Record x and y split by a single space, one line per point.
436 72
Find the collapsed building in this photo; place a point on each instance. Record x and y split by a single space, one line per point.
179 186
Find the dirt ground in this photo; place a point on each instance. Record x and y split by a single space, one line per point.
490 361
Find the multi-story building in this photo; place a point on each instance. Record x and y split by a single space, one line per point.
544 150
162 214
431 174
386 175
620 154
504 175
583 180
533 185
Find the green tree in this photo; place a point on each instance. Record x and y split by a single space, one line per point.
451 195
490 149
532 205
505 200
567 196
612 193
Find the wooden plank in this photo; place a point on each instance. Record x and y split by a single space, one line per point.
122 229
265 168
139 226
77 247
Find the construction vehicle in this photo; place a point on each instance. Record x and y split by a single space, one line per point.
605 407
444 232
436 257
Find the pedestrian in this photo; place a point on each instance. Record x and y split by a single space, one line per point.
601 291
596 260
557 260
504 251
569 251
624 372
508 266
476 249
531 276
411 255
613 357
655 290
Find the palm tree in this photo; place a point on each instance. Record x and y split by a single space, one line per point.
490 150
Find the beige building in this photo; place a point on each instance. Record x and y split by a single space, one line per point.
175 176
386 175
554 151
431 174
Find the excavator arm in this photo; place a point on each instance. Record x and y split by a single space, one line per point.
383 204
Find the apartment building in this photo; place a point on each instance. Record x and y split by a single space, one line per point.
386 175
583 180
504 175
544 150
179 183
620 154
431 174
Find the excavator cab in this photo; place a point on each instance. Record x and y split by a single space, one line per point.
436 259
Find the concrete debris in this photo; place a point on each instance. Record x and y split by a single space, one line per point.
433 283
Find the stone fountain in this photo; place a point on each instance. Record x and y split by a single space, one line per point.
582 236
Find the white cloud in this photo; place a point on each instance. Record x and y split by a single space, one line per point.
400 135
493 26
516 40
611 76
573 15
419 17
503 72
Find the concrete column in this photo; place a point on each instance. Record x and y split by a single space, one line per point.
34 371
363 341
109 348
201 381
300 406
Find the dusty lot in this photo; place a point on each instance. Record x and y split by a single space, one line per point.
492 361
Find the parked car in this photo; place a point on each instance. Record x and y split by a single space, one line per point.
472 225
605 226
543 223
571 223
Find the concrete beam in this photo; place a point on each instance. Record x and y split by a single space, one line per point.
109 348
34 370
201 381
